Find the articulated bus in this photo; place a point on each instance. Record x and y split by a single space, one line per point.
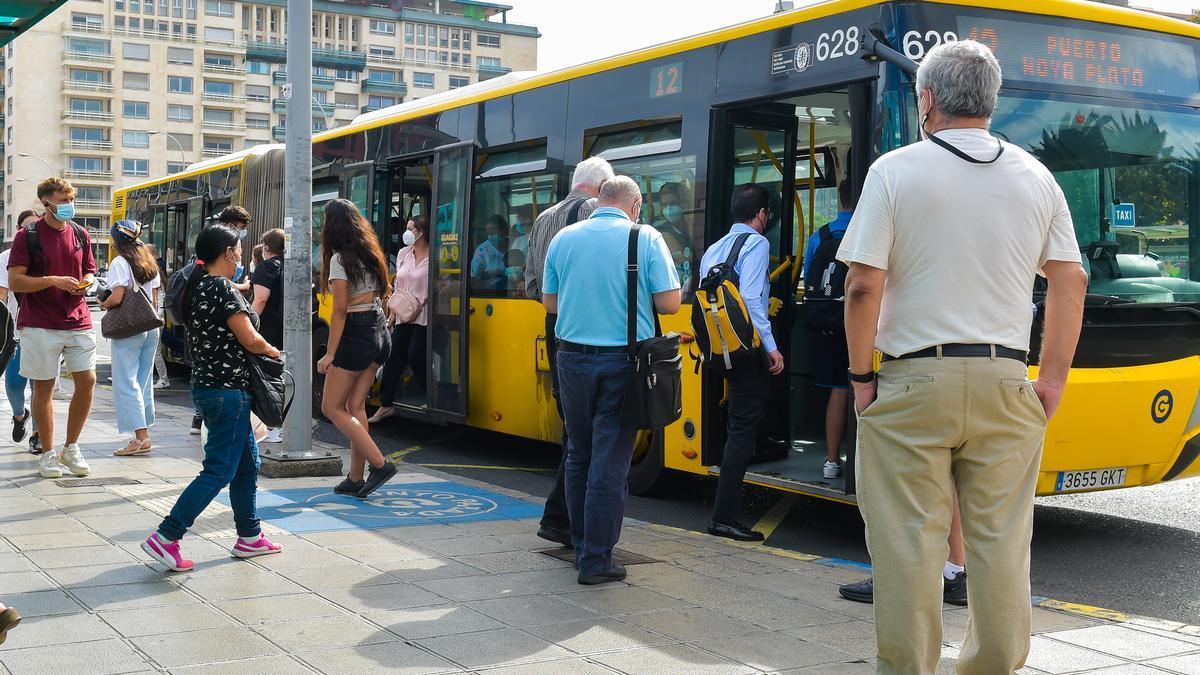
1106 97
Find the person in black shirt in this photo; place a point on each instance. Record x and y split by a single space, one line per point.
267 281
222 328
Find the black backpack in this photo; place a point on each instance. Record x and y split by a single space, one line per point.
825 287
175 301
33 243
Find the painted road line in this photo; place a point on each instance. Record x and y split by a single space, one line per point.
534 469
398 456
775 515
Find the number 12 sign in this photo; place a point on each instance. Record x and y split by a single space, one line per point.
666 80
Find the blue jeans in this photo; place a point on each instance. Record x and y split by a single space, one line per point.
133 380
230 458
599 449
14 386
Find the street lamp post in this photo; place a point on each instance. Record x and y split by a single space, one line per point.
43 160
182 156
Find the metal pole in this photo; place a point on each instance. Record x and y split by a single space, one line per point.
43 160
297 264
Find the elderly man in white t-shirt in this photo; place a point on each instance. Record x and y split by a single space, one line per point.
943 250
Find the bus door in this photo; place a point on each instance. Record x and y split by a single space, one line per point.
437 187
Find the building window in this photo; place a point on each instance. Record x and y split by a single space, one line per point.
191 10
410 53
217 146
258 92
119 22
218 7
445 37
179 141
454 39
423 80
219 116
82 135
177 9
176 167
408 33
457 81
466 59
135 139
177 84
98 47
382 75
380 27
179 113
91 76
87 164
135 167
218 60
488 40
345 101
489 62
467 40
421 34
90 194
444 57
135 52
376 50
119 5
218 34
180 56
258 121
136 81
381 101
258 68
250 143
347 75
135 110
86 21
84 105
218 88
420 55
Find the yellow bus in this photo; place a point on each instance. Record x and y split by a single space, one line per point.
799 101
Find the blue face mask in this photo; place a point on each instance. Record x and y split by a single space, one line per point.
495 239
518 228
65 212
237 272
673 213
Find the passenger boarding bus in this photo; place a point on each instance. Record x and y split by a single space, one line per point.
1106 97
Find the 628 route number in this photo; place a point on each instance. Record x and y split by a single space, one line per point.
841 42
916 43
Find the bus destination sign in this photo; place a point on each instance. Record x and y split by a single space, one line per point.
1032 52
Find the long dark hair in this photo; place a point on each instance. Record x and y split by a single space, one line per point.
140 260
211 244
347 233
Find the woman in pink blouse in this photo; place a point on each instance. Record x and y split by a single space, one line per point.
407 315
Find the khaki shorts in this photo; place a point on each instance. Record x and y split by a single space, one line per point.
41 349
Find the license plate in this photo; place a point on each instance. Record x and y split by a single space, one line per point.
1071 481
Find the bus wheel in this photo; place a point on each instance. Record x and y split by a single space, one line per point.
647 475
320 346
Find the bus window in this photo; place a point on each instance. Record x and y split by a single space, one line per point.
669 205
503 212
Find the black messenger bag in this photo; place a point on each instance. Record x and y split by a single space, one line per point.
653 388
268 400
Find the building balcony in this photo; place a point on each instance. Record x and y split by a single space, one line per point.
217 152
82 28
339 58
217 125
94 147
280 105
89 58
488 72
224 71
319 82
87 176
91 205
88 116
370 86
223 100
371 108
90 87
266 51
279 133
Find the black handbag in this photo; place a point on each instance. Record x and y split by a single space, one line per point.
268 389
654 387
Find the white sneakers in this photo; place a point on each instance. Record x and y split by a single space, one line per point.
832 469
273 436
50 464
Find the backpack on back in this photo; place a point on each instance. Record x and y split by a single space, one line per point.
825 290
721 323
175 300
37 256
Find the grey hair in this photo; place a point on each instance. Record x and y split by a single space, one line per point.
592 172
620 190
964 77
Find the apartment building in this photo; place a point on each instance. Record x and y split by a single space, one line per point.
110 92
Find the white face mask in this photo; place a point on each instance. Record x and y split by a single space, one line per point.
409 238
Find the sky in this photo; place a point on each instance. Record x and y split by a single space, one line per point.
571 34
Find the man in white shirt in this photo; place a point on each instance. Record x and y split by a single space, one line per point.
943 249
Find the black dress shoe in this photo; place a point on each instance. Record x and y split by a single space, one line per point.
614 573
736 531
376 477
863 591
954 591
349 487
556 535
20 426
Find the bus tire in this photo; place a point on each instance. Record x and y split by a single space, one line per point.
320 347
647 475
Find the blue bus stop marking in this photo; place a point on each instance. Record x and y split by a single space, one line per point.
320 510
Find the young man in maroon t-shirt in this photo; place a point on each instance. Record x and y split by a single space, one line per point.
55 321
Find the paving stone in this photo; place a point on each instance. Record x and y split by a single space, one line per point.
532 610
493 648
856 638
775 613
691 624
772 651
849 668
346 538
1128 669
465 589
1188 664
248 584
394 657
14 562
270 665
132 596
1050 656
564 667
106 575
99 658
511 561
86 556
559 580
420 532
600 634
48 631
427 568
325 632
375 598
346 575
205 646
12 583
43 603
670 659
467 545
60 540
1126 643
43 525
617 600
381 552
277 608
423 622
168 619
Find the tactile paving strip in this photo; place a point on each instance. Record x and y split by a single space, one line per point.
95 482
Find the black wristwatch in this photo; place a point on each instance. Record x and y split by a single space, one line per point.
862 378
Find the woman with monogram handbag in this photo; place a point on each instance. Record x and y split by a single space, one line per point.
132 325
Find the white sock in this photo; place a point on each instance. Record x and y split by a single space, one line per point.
950 569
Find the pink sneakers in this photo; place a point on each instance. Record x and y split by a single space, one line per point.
166 553
251 549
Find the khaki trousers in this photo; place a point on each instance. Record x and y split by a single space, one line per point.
976 422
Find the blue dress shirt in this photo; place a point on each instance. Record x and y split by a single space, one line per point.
751 267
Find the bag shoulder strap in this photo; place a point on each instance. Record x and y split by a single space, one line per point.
573 214
33 243
736 250
631 275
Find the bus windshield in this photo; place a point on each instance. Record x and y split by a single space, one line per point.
1131 176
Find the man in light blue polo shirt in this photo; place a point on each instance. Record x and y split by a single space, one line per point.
749 378
585 283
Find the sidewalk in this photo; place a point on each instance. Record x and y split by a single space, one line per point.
435 574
